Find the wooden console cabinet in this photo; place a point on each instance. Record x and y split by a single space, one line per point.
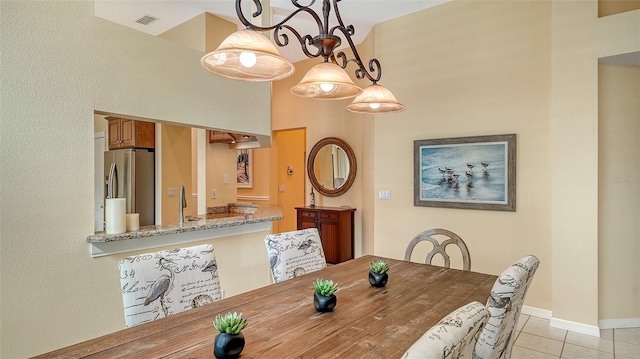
126 133
335 226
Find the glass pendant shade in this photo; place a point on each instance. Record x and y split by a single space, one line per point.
375 99
247 55
326 81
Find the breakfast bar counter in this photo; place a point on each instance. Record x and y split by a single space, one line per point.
215 224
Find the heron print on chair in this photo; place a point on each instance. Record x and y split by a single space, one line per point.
466 172
292 254
160 284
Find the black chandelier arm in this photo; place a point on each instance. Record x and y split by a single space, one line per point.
374 66
296 3
305 41
324 41
360 71
300 8
375 69
349 28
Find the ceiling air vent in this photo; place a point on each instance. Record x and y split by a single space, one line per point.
146 20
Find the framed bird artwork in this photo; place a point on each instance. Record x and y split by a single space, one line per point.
466 172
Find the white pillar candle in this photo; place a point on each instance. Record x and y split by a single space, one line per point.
133 222
114 218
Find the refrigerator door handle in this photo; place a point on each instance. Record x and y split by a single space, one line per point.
115 181
112 182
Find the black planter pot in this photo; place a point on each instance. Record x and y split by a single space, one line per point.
323 303
378 280
228 345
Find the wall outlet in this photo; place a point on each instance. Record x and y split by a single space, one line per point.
171 192
386 195
281 189
214 194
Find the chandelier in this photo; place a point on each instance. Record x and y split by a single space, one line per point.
248 55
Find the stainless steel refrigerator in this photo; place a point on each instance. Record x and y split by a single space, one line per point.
130 174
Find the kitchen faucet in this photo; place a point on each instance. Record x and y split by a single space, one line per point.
182 205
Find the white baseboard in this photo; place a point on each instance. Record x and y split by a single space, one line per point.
619 323
575 327
536 312
580 327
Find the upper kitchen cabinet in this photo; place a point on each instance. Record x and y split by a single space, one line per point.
125 133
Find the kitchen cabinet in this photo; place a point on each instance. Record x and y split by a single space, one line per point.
126 133
335 226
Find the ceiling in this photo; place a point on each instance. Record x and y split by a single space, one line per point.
362 14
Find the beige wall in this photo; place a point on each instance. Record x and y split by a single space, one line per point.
190 33
175 153
203 33
488 74
220 163
618 192
261 183
579 39
55 72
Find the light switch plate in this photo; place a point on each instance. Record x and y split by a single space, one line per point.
171 192
281 189
385 195
225 179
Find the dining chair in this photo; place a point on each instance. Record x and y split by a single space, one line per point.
160 284
504 305
440 247
292 254
453 337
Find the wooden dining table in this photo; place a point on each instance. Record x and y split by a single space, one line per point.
367 322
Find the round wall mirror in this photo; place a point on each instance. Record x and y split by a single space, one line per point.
331 166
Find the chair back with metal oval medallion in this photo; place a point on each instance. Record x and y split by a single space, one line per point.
440 247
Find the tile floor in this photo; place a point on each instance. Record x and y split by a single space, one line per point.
537 340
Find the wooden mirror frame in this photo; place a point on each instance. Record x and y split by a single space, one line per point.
312 173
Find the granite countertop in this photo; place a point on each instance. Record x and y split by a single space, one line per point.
235 214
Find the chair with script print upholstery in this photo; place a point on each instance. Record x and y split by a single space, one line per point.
454 337
504 305
160 284
292 254
440 247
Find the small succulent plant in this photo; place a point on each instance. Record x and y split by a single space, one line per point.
325 287
379 266
230 323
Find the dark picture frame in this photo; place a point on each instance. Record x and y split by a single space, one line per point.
477 172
